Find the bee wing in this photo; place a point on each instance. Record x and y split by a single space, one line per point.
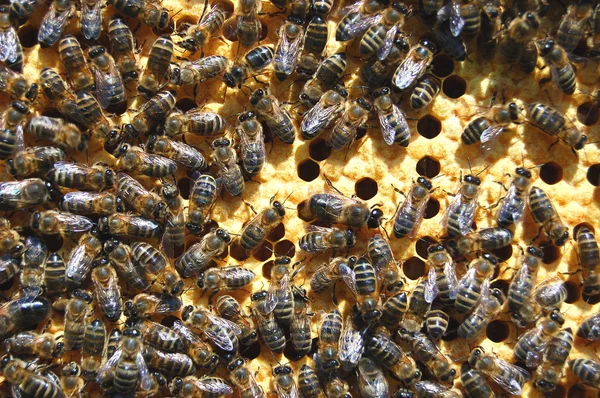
420 215
211 16
318 117
53 22
157 160
388 130
351 343
547 291
457 22
384 50
143 372
109 364
466 217
10 46
451 279
467 278
19 139
213 385
91 19
356 27
489 135
372 376
348 277
287 51
77 263
409 71
224 323
105 83
278 292
184 332
512 386
443 13
74 223
431 289
283 393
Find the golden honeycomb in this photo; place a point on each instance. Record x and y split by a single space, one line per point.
371 170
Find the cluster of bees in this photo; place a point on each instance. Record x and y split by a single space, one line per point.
129 223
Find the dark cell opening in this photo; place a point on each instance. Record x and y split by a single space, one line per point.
588 114
169 321
559 392
318 150
227 5
52 112
285 248
360 133
551 173
266 269
576 391
551 254
414 268
366 188
117 109
236 251
432 209
591 300
500 284
308 170
54 242
443 65
451 332
593 175
422 245
572 291
428 167
300 211
264 252
586 225
185 104
497 331
504 253
277 233
454 86
252 351
429 126
28 36
290 352
264 31
7 285
314 346
184 185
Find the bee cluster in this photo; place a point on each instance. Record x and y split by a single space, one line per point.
133 260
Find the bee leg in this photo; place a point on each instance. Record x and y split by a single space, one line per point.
251 207
330 185
554 143
137 28
333 295
537 235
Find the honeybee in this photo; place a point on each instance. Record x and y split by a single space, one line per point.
315 40
200 352
63 134
74 175
351 345
327 75
487 309
28 382
285 384
122 48
572 25
485 239
128 225
289 47
555 356
371 380
277 118
174 235
426 351
156 73
148 12
119 255
51 222
12 118
327 274
358 18
76 310
199 256
229 308
242 377
589 259
255 60
195 72
78 72
80 260
392 119
114 340
513 205
71 381
202 198
165 279
10 240
230 174
56 91
531 344
146 203
192 386
33 160
23 313
379 37
11 51
256 230
586 370
344 130
270 331
545 215
55 21
552 122
330 331
335 387
458 219
91 113
441 278
16 84
320 239
425 91
394 308
126 367
475 282
410 214
385 351
91 203
414 65
136 159
388 270
490 125
308 383
17 195
548 295
194 37
26 344
562 72
418 307
521 287
510 377
245 25
224 278
109 85
194 121
54 274
452 45
252 143
280 296
91 19
32 266
94 343
300 329
436 323
107 291
320 116
474 383
221 332
144 305
366 290
169 363
157 335
150 114
521 31
464 17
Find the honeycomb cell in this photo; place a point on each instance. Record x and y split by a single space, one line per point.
318 150
251 352
169 321
366 188
442 65
454 86
500 284
54 242
504 253
28 36
572 291
285 248
551 173
588 114
429 126
497 331
451 332
551 254
360 133
308 170
432 209
118 109
236 251
289 352
184 184
591 300
264 252
277 233
185 104
414 268
593 174
428 167
266 269
422 244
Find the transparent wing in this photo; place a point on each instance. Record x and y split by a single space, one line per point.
364 22
144 223
348 277
420 215
443 13
287 51
74 223
224 323
351 345
283 393
451 279
319 117
277 293
109 364
106 82
457 22
548 291
409 71
91 19
222 340
384 50
211 16
372 377
466 217
489 135
157 161
512 386
143 372
214 385
389 130
10 46
184 332
71 168
467 279
128 187
53 23
431 289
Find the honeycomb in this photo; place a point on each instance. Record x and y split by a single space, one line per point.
371 170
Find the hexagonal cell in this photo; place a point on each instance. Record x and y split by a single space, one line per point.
551 254
318 150
504 253
422 244
285 248
451 332
366 188
497 331
428 167
572 291
184 185
414 268
28 36
429 126
588 114
593 175
454 86
277 233
432 209
251 352
591 300
264 252
54 242
500 284
551 173
238 252
266 269
442 65
185 104
308 170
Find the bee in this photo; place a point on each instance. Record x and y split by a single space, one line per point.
126 367
94 343
174 218
563 74
10 240
414 65
280 296
11 140
255 60
230 174
320 239
520 32
109 85
55 21
201 70
224 278
589 328
458 220
285 384
366 290
137 160
315 40
327 75
572 25
485 239
192 386
589 259
246 26
371 380
487 309
325 111
11 51
487 39
381 256
490 125
114 340
241 376
548 295
464 17
128 225
335 387
23 194
146 203
586 370
475 282
555 356
23 8
91 203
198 257
392 119
531 344
194 121
76 309
144 305
54 274
330 331
56 91
108 294
521 287
277 118
376 73
23 313
97 177
385 351
308 383
202 198
32 266
410 214
344 130
91 19
327 274
552 122
28 382
256 230
151 113
379 37
510 377
474 383
43 346
79 263
393 309
156 73
270 331
51 222
157 335
513 205
13 117
169 363
426 351
454 46
71 381
194 37
358 18
64 135
33 160
545 215
300 329
165 278
289 47
200 352
228 308
148 12
91 113
78 72
252 143
223 333
351 345
418 307
16 84
122 48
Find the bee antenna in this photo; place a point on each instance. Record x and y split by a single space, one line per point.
287 197
484 169
275 358
469 161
